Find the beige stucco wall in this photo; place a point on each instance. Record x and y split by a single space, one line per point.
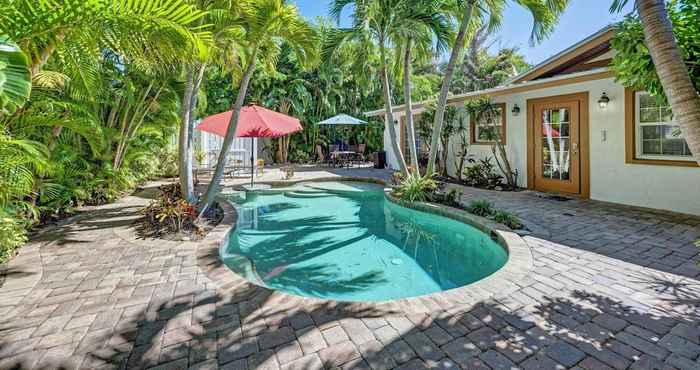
611 179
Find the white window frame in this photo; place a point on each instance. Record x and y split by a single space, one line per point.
499 126
638 134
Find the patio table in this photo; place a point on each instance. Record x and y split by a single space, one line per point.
343 157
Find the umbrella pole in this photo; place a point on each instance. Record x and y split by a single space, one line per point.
252 167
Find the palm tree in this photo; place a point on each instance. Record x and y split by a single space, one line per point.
471 13
381 24
265 25
431 28
670 67
15 81
223 16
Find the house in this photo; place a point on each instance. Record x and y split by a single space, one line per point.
562 137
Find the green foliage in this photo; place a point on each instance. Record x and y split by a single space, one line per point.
169 213
450 199
481 208
15 80
103 104
416 188
12 234
482 174
505 218
632 62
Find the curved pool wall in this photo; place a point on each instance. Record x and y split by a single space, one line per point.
322 240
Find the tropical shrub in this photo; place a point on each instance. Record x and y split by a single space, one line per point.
505 218
450 198
12 234
482 174
15 80
169 213
632 62
416 188
481 208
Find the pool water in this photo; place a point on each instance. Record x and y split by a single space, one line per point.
345 241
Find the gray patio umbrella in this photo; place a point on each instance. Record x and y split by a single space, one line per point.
342 120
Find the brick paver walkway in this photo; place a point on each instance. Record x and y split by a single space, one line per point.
612 288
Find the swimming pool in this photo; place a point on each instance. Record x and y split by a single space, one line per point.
345 241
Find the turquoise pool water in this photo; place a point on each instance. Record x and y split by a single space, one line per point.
345 241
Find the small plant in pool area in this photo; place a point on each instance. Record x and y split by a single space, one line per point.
482 174
484 208
397 178
169 213
481 208
416 188
450 198
505 218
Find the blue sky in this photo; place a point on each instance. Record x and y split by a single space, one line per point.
582 18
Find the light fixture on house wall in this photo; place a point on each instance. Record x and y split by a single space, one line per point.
515 110
603 101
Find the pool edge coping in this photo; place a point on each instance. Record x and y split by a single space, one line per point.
519 263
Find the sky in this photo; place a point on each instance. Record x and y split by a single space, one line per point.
581 19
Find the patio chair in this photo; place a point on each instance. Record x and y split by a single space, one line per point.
361 151
333 161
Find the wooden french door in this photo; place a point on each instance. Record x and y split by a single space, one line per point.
559 144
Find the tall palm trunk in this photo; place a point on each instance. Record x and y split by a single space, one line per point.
409 106
184 149
445 89
388 108
672 71
186 137
213 188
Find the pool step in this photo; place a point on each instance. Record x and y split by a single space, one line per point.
298 194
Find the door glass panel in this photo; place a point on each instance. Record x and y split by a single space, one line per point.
556 149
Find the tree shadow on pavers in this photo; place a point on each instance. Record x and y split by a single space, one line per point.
217 328
252 327
660 240
86 222
13 273
672 294
581 329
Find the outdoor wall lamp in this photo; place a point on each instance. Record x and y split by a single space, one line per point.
515 110
603 101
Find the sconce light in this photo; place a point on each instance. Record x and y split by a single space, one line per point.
603 101
515 110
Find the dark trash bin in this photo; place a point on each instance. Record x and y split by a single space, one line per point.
380 159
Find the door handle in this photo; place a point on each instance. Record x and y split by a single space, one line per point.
574 148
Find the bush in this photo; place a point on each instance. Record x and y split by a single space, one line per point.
415 188
169 213
482 174
505 218
451 198
299 156
481 208
397 178
12 235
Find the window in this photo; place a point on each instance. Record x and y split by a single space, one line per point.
485 129
657 136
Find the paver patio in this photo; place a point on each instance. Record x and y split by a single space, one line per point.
612 288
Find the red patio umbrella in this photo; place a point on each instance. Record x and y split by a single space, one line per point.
254 121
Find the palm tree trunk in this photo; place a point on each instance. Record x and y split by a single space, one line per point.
213 188
409 106
672 71
388 108
184 149
445 89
